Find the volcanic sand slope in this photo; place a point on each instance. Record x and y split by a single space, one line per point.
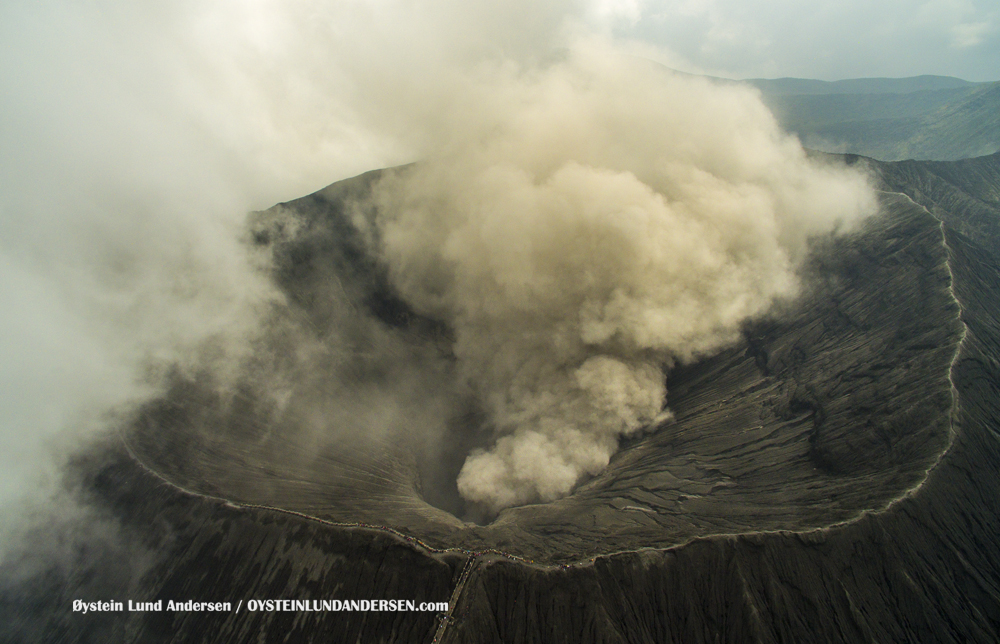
836 406
965 194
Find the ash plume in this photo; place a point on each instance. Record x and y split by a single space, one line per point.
583 227
579 219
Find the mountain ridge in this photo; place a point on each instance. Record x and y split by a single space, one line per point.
939 118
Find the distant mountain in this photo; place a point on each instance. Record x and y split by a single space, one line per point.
925 117
780 86
932 118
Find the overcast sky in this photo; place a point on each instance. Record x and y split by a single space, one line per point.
829 39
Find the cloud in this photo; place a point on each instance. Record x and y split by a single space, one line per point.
970 34
829 40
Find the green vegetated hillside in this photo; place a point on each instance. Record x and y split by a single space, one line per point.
924 117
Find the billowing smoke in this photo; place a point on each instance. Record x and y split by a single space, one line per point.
582 228
580 225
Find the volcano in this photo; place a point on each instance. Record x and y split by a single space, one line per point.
831 477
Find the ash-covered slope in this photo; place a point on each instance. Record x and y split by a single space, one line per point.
965 194
831 479
834 407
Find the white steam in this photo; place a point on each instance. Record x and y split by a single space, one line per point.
582 228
